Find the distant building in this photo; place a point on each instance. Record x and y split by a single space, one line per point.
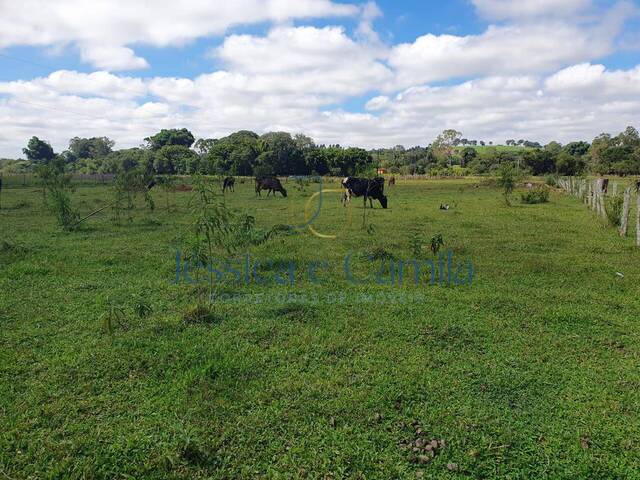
382 171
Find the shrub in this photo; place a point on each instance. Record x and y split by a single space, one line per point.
61 204
507 180
551 180
199 313
535 195
613 209
436 242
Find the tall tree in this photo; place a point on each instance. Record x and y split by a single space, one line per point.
444 144
39 151
94 147
182 137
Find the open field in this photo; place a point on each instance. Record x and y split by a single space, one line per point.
532 371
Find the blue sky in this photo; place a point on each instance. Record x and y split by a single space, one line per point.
356 73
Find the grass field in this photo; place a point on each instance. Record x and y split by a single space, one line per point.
529 372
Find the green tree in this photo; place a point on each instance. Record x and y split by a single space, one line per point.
444 143
94 147
281 154
576 149
182 137
507 180
39 151
176 159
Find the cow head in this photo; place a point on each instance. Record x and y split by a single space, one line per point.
284 192
383 201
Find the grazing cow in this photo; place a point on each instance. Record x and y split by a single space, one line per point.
392 181
228 183
272 184
605 185
364 187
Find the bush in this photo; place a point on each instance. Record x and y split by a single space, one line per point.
551 180
199 314
613 208
535 195
507 177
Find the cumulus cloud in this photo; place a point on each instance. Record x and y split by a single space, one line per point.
104 32
306 59
533 76
577 102
500 50
587 80
505 9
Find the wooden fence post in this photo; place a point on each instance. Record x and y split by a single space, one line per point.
624 218
614 189
638 218
601 208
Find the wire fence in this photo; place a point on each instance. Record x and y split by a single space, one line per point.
25 180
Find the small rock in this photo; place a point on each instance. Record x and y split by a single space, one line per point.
332 421
420 442
424 458
419 474
452 467
434 443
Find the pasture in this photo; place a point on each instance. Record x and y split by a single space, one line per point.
529 372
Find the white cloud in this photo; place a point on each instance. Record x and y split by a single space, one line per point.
587 80
575 103
103 29
504 9
309 60
531 75
500 50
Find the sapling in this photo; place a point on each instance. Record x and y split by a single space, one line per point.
216 228
436 243
507 180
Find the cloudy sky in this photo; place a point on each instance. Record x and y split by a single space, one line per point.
368 74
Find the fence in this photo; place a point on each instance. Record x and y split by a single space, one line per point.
593 193
19 180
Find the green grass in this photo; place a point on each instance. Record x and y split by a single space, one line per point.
530 372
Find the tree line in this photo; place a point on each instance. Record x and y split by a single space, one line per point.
448 154
176 151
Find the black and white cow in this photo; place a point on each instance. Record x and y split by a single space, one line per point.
364 187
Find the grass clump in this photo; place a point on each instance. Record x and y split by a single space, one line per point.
199 314
535 195
613 209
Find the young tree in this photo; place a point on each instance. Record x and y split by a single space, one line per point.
444 143
507 180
